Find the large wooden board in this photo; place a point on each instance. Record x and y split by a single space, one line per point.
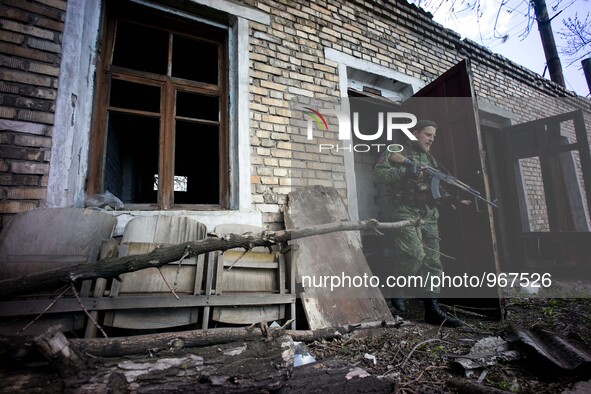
46 239
142 235
335 254
257 271
51 238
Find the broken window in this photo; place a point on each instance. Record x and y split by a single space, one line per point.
160 130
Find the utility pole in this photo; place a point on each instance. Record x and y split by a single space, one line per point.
547 36
586 63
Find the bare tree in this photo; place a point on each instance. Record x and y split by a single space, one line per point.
535 14
577 34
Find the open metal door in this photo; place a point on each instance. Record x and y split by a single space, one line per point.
548 224
467 232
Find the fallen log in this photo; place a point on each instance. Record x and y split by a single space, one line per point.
55 347
248 359
113 267
155 343
247 366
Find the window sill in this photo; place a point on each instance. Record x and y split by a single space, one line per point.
176 207
210 218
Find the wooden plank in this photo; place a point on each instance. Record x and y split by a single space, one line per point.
251 264
290 253
163 229
242 272
109 248
208 287
142 235
248 314
33 307
331 254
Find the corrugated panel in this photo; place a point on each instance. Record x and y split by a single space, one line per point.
547 347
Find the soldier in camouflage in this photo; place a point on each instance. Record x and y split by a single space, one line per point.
416 249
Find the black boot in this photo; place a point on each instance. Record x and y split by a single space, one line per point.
435 315
398 304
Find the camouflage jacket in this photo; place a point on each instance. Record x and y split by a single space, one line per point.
403 185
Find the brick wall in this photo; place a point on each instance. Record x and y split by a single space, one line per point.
287 60
30 34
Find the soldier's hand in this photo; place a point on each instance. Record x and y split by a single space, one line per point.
466 202
396 158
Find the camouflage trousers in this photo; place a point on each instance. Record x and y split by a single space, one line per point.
416 249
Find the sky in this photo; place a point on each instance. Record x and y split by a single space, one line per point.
512 20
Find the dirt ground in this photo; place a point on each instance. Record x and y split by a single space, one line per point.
421 358
417 357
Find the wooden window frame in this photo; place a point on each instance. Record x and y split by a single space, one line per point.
168 85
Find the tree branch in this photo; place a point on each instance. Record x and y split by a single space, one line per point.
115 266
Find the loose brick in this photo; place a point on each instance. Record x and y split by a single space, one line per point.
32 141
29 91
26 193
27 30
25 167
44 45
285 154
19 180
268 180
44 69
13 152
59 4
270 217
7 112
17 206
33 104
48 24
12 37
36 8
14 14
35 116
27 78
28 53
271 162
267 207
24 127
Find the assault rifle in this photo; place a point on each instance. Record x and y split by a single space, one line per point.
437 177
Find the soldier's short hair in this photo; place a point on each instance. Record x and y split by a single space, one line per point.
422 123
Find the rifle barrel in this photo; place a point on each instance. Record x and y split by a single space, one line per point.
449 179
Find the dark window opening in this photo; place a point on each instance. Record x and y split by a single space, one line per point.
161 116
194 60
141 48
196 151
197 106
132 157
129 95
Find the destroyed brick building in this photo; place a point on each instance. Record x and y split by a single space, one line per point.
95 98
